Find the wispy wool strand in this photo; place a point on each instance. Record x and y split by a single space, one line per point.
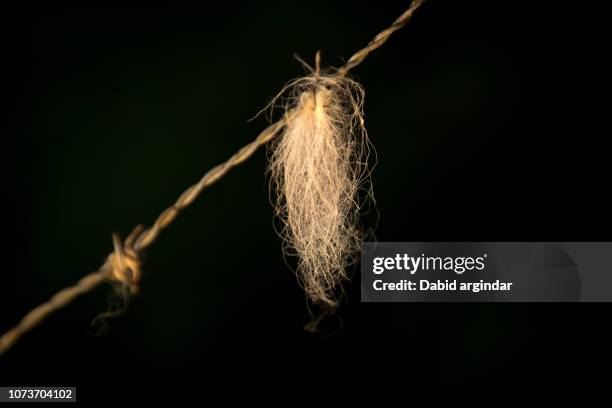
317 165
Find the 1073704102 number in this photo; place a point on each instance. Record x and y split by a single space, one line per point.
41 393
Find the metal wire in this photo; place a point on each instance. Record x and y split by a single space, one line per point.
123 264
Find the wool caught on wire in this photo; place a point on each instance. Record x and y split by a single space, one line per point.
335 119
317 166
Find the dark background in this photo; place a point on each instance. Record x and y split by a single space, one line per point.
484 116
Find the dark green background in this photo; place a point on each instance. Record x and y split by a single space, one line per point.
483 118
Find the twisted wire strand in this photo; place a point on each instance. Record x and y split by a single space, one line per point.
123 264
148 236
61 298
380 38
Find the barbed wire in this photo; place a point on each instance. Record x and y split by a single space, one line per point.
123 265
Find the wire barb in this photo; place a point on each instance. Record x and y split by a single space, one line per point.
317 72
123 264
